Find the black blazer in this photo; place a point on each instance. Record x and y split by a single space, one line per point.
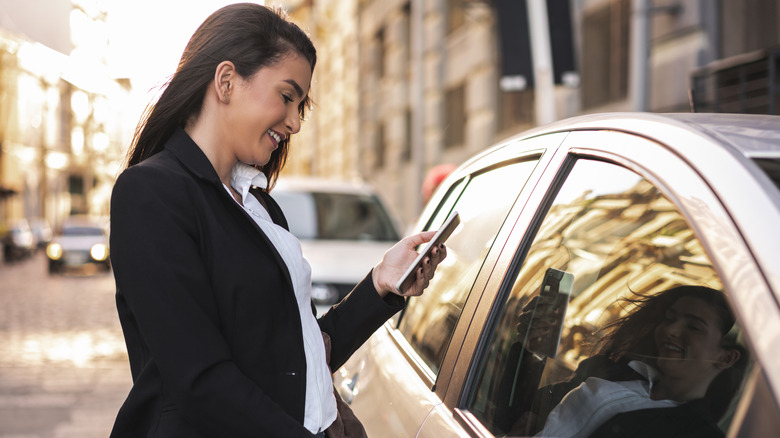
207 307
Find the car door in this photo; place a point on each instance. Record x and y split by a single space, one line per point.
624 217
399 376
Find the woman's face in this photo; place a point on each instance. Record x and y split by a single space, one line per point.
689 340
264 109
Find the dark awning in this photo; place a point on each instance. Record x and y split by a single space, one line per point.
6 192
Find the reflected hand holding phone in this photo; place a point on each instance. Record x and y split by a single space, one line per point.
541 323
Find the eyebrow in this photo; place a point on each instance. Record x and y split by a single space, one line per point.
697 318
688 316
295 85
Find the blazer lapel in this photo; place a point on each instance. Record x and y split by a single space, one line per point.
193 158
270 204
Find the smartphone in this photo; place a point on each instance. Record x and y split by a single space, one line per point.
440 237
556 284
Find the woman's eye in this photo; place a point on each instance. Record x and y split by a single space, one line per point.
287 99
695 328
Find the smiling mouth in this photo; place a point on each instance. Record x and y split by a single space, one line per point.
673 348
275 137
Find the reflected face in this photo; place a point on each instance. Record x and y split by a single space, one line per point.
689 340
264 109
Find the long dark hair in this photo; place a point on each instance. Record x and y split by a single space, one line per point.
249 35
632 336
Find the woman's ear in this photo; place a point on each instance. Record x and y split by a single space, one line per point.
728 358
224 78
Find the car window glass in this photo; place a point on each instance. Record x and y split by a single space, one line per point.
610 244
770 166
300 212
336 216
430 319
82 231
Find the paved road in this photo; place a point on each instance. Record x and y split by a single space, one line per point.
63 363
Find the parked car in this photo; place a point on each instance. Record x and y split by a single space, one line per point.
19 241
42 231
621 205
82 241
344 229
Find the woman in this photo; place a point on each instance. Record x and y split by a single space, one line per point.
213 292
669 368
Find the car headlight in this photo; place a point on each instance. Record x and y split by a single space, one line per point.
99 252
54 251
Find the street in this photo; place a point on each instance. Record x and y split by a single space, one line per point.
63 363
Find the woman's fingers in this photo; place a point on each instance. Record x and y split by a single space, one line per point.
426 271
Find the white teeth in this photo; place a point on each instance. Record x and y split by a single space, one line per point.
673 348
275 136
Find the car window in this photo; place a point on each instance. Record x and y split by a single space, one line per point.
82 231
770 166
483 202
584 325
336 216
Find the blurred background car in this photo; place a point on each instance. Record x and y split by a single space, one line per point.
19 241
625 205
344 229
81 241
42 231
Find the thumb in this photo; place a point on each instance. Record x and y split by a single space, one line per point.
418 239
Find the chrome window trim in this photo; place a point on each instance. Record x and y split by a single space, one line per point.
471 424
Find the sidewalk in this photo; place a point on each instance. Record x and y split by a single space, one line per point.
62 402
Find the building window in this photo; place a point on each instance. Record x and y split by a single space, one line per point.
605 43
515 109
407 18
379 147
379 41
455 116
406 148
455 15
748 25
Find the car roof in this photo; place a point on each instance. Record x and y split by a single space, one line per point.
751 135
306 184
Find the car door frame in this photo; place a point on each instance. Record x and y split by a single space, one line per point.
665 168
543 148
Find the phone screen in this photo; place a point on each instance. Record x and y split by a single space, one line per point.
557 284
441 236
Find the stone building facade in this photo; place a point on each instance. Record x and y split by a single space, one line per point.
404 85
62 118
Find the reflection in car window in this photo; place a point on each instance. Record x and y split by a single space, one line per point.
336 216
605 249
430 319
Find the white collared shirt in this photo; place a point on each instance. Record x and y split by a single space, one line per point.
596 400
320 409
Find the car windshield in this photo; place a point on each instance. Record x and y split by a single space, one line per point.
82 231
336 216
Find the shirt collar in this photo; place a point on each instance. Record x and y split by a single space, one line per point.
244 177
648 372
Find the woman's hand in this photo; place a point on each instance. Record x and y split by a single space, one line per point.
398 258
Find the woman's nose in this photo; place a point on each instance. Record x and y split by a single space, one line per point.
674 329
293 121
